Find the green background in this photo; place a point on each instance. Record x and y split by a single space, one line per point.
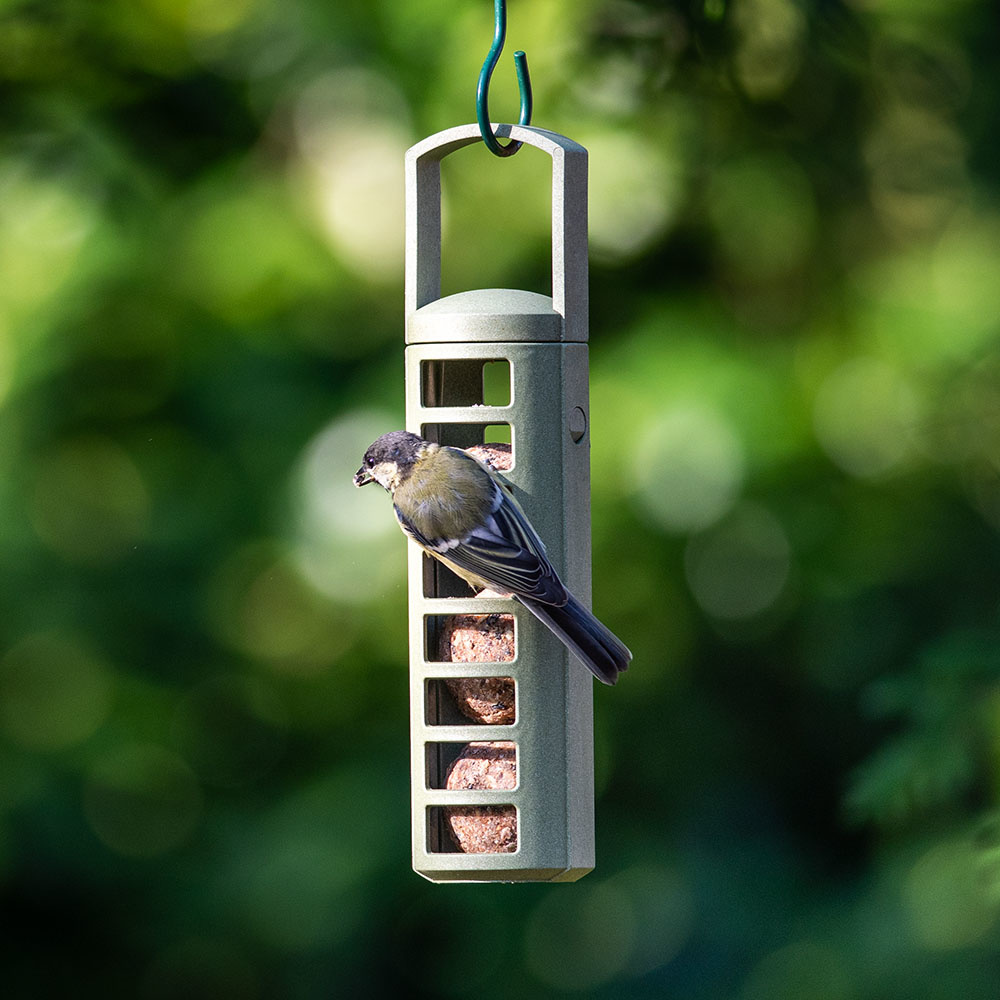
795 361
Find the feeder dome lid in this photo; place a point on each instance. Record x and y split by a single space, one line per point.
502 315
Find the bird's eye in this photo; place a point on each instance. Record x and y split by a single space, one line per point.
370 462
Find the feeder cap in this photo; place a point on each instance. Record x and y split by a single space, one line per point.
501 315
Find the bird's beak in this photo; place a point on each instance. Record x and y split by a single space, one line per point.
363 477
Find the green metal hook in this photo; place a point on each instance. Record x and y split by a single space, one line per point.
482 91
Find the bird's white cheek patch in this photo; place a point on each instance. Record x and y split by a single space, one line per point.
385 474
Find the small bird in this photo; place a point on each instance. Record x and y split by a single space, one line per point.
458 511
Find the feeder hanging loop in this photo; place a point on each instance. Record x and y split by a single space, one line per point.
482 91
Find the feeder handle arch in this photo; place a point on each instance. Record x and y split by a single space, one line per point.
569 218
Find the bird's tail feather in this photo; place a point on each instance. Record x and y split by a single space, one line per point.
604 654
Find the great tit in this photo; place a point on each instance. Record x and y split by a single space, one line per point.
458 511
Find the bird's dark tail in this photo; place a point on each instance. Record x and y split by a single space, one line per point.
604 654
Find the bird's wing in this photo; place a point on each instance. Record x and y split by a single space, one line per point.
504 551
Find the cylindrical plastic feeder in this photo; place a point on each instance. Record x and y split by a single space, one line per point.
542 817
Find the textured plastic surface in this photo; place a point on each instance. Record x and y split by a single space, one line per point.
503 314
554 725
543 340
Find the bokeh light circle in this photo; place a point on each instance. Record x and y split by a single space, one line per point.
53 693
689 468
865 417
348 542
737 569
89 503
945 899
580 938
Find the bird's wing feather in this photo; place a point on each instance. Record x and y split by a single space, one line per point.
504 551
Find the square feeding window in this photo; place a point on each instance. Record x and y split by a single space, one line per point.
471 435
485 765
469 638
457 701
465 382
472 829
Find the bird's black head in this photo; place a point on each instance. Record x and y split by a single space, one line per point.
389 459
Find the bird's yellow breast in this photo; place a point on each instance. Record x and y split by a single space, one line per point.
446 495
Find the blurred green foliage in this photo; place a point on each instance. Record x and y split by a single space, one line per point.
795 233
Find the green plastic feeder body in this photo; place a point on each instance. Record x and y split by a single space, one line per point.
543 339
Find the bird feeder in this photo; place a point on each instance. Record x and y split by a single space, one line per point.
541 815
